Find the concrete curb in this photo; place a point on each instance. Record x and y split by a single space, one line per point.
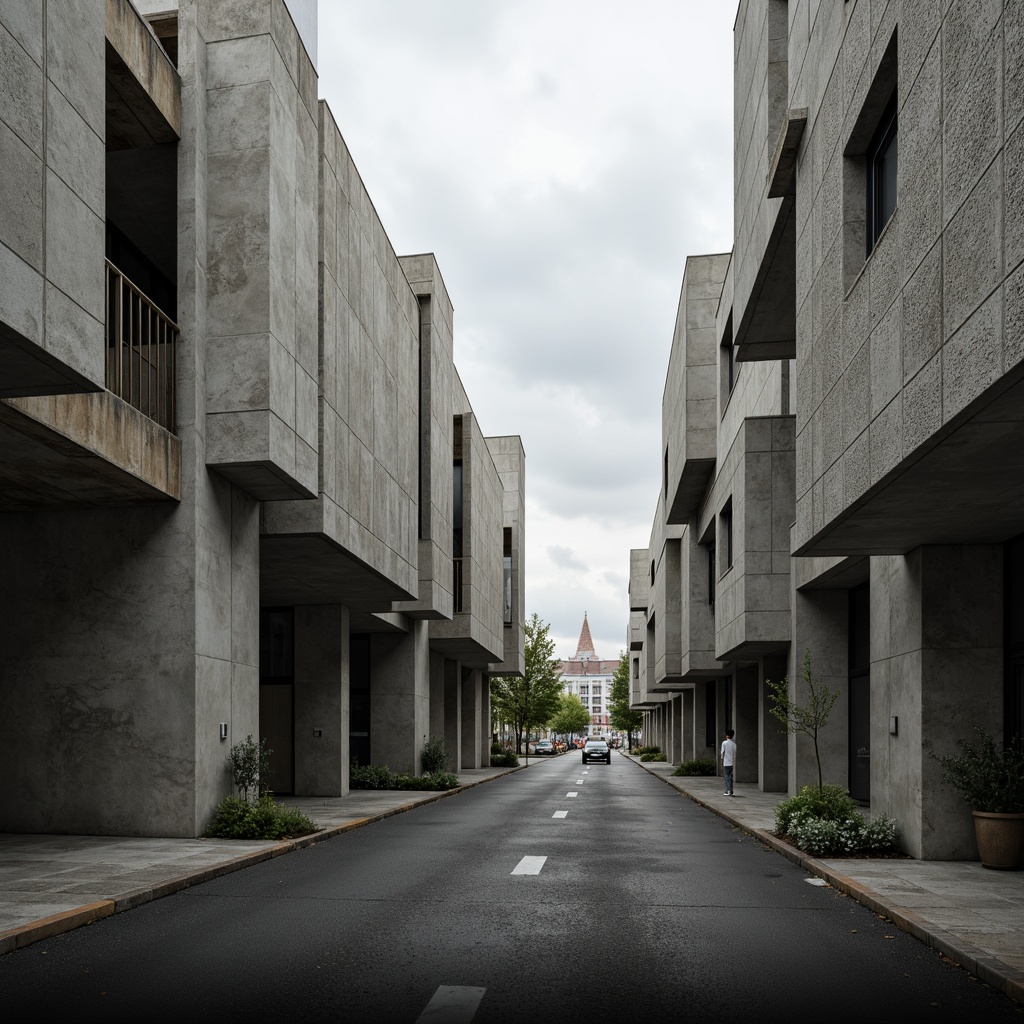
976 961
68 920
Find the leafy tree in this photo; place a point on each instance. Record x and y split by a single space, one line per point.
249 764
529 700
572 715
806 718
621 716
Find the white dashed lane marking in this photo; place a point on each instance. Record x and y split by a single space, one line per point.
573 793
559 814
529 866
452 1004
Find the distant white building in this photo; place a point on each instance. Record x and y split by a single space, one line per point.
590 679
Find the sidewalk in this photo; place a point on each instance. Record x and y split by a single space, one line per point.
973 915
51 884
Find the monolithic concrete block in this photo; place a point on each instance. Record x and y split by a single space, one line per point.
922 404
972 358
884 268
921 335
238 117
73 335
856 393
238 373
886 358
21 199
1013 318
74 242
886 439
1013 199
75 62
74 151
972 250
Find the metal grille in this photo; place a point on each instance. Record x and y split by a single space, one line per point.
142 343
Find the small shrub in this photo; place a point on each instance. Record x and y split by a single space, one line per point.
504 759
249 764
640 751
237 818
434 757
700 766
653 757
370 776
825 822
497 748
831 802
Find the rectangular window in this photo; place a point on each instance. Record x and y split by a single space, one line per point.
584 689
506 587
596 691
711 575
725 537
882 159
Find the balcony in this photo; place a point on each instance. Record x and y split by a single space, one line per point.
142 342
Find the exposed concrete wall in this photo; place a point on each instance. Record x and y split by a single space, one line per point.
937 667
52 126
321 700
472 707
400 697
261 150
773 768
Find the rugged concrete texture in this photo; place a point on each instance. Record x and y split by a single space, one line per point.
436 404
399 697
262 369
937 668
510 462
321 700
52 126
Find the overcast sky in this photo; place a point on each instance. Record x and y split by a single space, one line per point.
561 158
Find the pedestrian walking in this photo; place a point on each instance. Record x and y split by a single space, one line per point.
728 759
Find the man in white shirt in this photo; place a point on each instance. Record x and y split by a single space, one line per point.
728 759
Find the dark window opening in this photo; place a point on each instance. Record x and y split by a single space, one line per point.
859 697
711 575
882 161
725 536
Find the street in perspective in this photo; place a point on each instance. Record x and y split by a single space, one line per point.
561 886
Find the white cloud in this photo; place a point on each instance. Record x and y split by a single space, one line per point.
561 159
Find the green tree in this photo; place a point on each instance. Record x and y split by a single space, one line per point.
530 700
807 718
621 716
572 715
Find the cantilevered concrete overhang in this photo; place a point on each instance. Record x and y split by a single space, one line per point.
965 486
81 451
767 326
311 568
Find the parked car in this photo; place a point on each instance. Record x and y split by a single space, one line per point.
597 750
544 747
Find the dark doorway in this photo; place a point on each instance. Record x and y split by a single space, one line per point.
859 639
277 695
359 698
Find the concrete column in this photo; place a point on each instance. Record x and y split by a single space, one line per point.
820 625
321 700
687 725
773 745
436 726
745 721
453 712
675 744
470 718
700 714
936 673
399 697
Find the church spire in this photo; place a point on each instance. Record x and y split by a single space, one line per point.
585 648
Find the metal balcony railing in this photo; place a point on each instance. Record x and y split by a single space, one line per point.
142 343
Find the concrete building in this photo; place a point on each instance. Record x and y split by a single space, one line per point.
589 677
843 417
243 489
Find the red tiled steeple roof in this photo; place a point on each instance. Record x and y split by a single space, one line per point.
585 648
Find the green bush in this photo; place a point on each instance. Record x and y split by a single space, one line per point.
238 819
504 759
497 748
653 756
434 757
640 751
825 822
700 766
370 776
249 764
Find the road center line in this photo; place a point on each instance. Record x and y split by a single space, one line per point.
579 782
529 866
452 1004
559 814
573 793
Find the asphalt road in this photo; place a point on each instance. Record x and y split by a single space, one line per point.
565 892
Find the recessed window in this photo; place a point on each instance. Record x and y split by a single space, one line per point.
882 160
725 537
711 574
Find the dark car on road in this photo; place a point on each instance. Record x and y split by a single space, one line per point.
597 750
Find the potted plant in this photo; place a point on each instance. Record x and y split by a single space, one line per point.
991 779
